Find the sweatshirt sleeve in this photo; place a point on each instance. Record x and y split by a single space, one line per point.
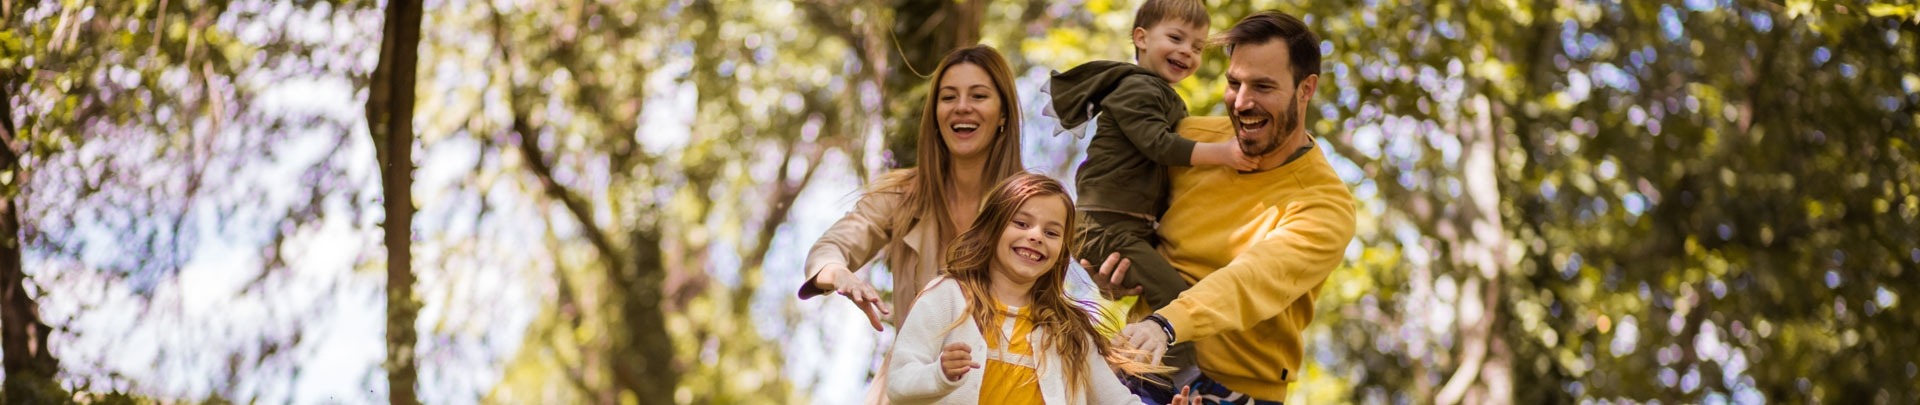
1106 387
853 240
1268 277
914 374
1140 108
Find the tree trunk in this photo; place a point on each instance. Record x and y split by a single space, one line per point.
30 366
644 359
390 122
926 31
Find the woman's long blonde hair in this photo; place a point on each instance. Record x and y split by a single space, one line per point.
1069 323
926 185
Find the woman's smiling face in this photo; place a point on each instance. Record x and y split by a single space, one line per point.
969 110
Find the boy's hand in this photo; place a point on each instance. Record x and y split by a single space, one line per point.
955 360
1239 160
1223 154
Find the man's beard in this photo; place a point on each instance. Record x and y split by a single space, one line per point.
1283 124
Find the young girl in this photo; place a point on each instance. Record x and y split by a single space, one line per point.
1003 303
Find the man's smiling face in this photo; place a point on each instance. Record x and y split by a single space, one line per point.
1262 96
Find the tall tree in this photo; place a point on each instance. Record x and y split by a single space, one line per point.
924 31
30 365
390 102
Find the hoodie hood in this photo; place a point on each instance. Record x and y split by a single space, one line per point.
1075 95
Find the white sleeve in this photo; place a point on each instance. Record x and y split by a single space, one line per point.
914 375
1106 387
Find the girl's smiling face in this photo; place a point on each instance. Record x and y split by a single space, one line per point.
1031 242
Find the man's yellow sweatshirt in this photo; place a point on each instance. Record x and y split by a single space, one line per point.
1257 247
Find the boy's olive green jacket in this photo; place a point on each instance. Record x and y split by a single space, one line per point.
1134 140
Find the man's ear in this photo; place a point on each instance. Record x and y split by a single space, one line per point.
1308 86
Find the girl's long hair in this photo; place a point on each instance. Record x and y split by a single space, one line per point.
1069 323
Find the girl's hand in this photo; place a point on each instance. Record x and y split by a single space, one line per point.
1186 397
863 295
956 359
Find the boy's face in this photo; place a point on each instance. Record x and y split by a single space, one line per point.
1170 48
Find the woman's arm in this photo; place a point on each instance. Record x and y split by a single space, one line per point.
848 245
851 242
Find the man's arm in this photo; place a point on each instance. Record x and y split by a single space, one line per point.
1268 277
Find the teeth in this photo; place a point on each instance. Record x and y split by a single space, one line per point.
1029 254
1247 122
965 127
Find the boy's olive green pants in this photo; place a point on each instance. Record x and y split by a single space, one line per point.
1101 233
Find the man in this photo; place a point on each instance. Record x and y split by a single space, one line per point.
1257 245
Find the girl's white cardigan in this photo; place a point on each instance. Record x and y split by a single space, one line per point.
914 375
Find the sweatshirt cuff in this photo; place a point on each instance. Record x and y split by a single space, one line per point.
1181 151
1180 314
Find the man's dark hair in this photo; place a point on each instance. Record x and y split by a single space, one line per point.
1303 47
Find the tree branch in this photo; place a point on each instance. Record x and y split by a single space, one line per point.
529 146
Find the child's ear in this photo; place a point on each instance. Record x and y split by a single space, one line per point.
1139 39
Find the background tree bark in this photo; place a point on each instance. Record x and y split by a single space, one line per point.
390 121
29 364
925 31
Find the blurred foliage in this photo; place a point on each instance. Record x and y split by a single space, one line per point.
1698 201
1689 201
143 137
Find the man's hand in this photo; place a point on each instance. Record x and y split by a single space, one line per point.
842 282
955 359
1145 339
1112 277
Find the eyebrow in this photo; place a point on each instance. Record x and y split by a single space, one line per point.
976 86
1257 80
1023 214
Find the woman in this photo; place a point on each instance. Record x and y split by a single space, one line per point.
969 141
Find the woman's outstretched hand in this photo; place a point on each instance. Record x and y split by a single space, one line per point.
842 282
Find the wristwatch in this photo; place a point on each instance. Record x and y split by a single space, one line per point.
1164 326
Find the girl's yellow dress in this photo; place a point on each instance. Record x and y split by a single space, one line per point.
1010 377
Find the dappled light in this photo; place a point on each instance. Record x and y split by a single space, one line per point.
611 201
